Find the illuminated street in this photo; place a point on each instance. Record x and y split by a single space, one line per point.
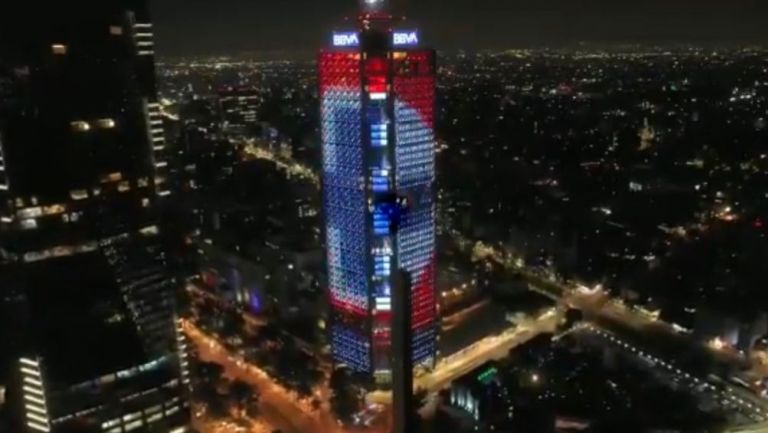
489 348
279 406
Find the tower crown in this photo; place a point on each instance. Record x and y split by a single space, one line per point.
372 5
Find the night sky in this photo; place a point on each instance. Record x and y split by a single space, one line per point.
186 27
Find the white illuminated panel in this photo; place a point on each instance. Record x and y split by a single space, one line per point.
404 38
35 407
383 304
346 39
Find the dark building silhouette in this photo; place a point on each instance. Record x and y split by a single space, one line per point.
87 319
239 106
402 358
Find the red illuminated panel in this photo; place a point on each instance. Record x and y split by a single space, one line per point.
415 83
339 70
423 303
376 74
347 307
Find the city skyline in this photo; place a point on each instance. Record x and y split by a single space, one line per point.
394 237
241 26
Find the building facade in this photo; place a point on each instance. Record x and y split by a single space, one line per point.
239 106
92 334
377 93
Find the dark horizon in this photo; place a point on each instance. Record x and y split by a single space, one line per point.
198 27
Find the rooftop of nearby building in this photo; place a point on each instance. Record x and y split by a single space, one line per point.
80 321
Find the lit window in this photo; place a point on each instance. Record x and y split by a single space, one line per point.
124 186
115 30
54 209
30 212
134 425
80 126
96 191
131 416
155 417
110 423
112 177
148 231
106 123
171 411
29 224
59 49
145 202
143 181
78 194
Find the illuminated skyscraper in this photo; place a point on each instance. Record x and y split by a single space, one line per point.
87 324
377 92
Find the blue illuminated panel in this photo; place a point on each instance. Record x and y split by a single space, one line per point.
415 178
345 206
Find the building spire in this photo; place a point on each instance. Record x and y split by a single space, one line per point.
372 5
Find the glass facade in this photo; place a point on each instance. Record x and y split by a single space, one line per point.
377 109
87 305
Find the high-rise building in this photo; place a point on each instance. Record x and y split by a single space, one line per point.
87 323
377 93
239 105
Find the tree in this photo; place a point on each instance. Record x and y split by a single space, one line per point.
207 394
420 398
209 372
232 325
244 397
344 400
316 404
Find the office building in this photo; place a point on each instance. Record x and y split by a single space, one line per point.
377 93
239 105
90 337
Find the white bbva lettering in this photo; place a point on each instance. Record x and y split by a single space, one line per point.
409 38
345 40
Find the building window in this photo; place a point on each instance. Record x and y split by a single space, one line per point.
124 186
54 209
131 416
80 126
112 177
59 49
134 425
29 224
155 417
30 212
106 123
115 30
78 194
